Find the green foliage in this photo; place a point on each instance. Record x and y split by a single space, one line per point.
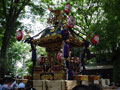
76 52
40 51
36 9
91 61
11 11
1 39
112 30
28 65
16 53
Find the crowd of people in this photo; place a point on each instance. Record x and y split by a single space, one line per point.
19 84
13 84
89 87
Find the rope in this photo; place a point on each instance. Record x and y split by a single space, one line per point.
42 31
76 34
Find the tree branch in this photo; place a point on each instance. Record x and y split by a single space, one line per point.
11 7
11 11
15 8
85 17
81 28
16 1
79 32
16 14
4 8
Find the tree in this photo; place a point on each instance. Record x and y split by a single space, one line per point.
16 53
112 31
11 10
28 63
106 25
108 30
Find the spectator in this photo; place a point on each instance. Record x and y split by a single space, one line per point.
30 89
21 86
95 87
5 84
1 83
14 84
81 87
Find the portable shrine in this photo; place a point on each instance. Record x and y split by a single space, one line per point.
58 40
51 40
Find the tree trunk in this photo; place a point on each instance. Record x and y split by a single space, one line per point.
116 66
5 42
11 16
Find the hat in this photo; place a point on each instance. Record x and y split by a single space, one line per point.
21 85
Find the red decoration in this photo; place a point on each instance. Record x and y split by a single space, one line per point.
95 39
59 56
67 8
76 60
70 21
41 59
19 35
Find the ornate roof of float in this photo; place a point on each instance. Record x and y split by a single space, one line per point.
51 39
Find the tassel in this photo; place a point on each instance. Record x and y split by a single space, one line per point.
66 51
34 55
65 34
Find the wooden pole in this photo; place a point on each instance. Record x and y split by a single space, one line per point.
32 74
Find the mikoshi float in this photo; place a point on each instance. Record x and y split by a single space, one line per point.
58 40
52 40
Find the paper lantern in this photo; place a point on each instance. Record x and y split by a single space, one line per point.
95 39
67 8
19 35
70 21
